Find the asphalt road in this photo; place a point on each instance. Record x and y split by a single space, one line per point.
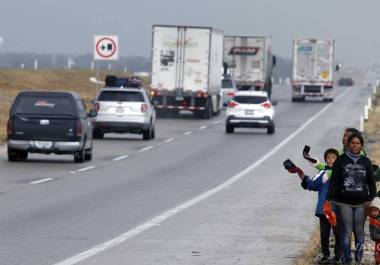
52 209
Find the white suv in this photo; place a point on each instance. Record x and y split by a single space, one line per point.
124 110
250 109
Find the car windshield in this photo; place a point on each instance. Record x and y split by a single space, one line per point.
227 83
45 106
250 99
121 96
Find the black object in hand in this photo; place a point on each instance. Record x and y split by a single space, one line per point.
306 155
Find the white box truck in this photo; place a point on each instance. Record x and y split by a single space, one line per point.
249 61
313 69
186 69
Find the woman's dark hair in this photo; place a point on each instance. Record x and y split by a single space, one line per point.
356 135
331 151
352 130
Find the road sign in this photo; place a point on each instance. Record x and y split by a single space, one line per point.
106 48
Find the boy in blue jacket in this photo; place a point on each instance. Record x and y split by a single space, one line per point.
320 183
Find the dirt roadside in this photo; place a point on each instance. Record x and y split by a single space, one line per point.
372 140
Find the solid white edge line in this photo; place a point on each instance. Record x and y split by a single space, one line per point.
169 140
146 148
40 181
159 219
120 158
86 168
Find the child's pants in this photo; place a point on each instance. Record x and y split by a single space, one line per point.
377 252
325 230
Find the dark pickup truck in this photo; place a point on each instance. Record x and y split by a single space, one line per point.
49 122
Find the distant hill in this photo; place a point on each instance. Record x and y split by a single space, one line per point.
132 63
61 61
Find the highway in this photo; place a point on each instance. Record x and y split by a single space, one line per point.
53 209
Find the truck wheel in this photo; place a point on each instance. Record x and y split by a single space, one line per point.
229 128
208 110
80 156
12 155
271 129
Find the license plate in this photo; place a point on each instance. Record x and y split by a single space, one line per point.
120 110
43 144
179 98
249 112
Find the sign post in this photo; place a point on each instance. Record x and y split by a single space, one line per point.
106 48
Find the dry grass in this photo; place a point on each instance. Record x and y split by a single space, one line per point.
14 81
312 250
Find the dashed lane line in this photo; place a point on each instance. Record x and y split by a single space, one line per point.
86 168
120 158
203 127
169 140
40 181
146 148
187 133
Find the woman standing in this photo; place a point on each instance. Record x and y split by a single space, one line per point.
352 187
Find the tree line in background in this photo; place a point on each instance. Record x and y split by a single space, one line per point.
131 63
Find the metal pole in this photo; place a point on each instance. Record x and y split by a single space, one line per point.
97 74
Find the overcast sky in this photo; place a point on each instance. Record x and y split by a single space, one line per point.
68 26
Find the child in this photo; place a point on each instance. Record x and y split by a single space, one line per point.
320 183
374 226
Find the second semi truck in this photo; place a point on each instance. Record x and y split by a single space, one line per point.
249 61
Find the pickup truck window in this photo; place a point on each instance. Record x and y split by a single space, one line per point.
121 96
44 106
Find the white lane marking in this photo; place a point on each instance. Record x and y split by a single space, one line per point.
120 158
187 133
159 219
41 181
203 127
146 148
216 122
86 168
169 140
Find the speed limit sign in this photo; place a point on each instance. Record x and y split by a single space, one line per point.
106 47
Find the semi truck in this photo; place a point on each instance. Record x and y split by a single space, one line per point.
313 69
186 70
249 61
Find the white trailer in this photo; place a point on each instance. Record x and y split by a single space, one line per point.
186 69
249 61
313 69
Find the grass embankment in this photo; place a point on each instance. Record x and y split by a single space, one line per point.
372 138
14 81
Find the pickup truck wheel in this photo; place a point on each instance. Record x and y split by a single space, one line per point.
80 156
23 155
12 155
88 154
147 134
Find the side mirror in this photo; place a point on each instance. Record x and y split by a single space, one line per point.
274 61
92 113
